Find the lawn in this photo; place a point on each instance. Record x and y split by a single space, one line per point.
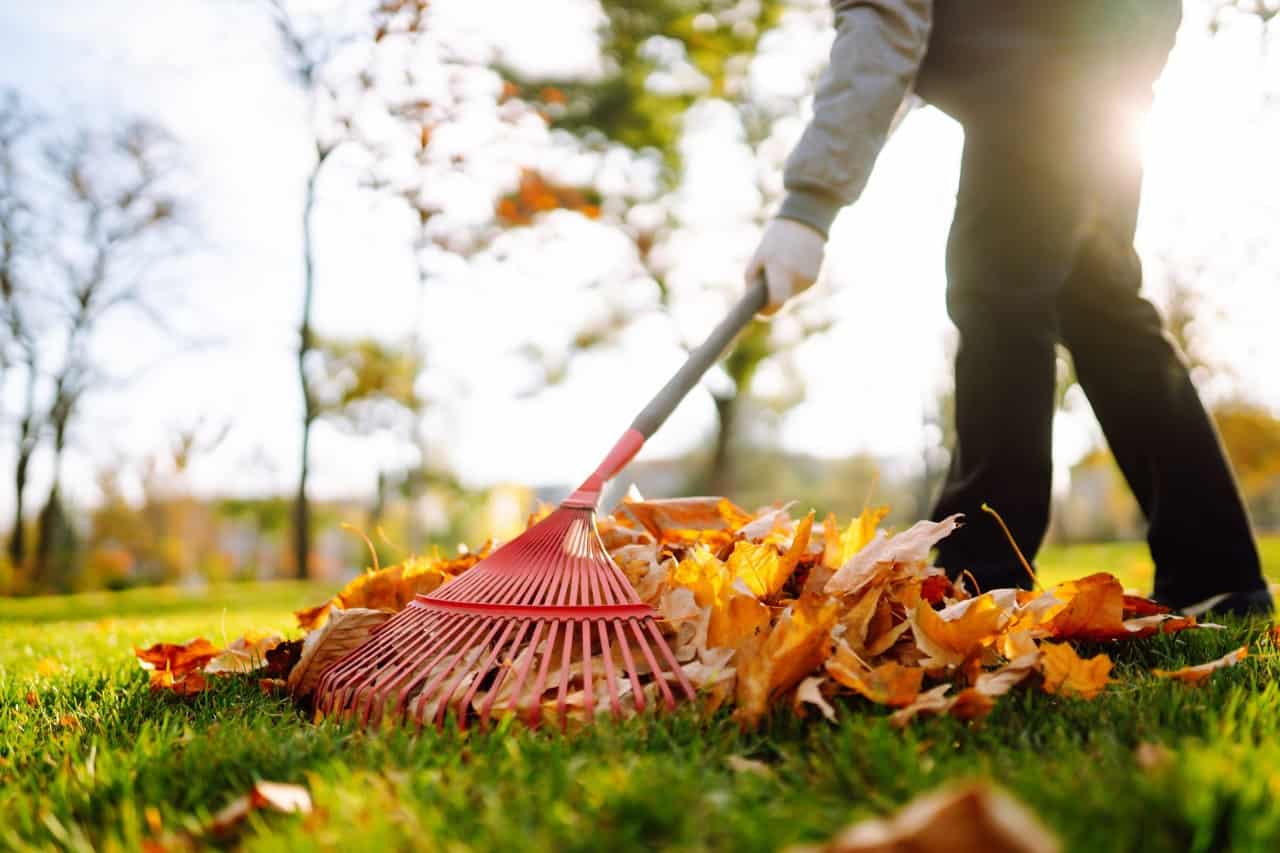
89 758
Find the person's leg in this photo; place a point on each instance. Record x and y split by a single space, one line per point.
1153 419
1008 255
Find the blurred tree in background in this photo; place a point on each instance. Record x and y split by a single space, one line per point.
90 218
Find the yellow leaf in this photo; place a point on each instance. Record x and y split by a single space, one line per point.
1067 674
951 636
48 666
839 547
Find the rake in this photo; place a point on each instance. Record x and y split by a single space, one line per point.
534 617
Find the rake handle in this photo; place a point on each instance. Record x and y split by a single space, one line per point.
676 389
700 360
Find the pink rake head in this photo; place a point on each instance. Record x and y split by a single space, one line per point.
535 617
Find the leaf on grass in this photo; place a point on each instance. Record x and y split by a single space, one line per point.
47 667
741 764
244 654
177 666
931 701
345 630
809 692
970 818
275 796
1094 609
1067 674
1152 756
1200 673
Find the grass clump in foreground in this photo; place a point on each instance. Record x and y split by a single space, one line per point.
90 758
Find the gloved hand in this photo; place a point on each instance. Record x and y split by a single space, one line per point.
790 253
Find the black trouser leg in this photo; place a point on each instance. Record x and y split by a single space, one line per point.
1006 262
1141 391
1042 248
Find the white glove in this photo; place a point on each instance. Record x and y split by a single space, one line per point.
790 254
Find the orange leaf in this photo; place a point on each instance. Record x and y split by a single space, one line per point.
1199 674
1067 674
1094 609
797 645
177 658
888 684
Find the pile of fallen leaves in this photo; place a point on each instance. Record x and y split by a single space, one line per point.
763 608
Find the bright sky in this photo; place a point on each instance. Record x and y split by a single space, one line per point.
208 70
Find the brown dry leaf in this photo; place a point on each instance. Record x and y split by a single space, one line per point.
345 630
689 520
887 684
932 701
797 645
32 699
740 764
948 637
1067 674
909 548
1152 756
244 654
810 693
970 818
1198 674
276 796
1158 623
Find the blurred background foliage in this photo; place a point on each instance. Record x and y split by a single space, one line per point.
91 217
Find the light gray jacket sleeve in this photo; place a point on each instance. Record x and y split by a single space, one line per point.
878 49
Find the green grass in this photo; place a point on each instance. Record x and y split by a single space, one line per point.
80 767
1128 561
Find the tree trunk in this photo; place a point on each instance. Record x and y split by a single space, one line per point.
721 478
306 342
18 539
52 520
26 447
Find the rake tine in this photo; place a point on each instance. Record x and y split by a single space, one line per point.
610 679
539 684
676 669
653 664
451 628
588 689
564 674
514 703
396 673
444 665
636 693
446 698
483 670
